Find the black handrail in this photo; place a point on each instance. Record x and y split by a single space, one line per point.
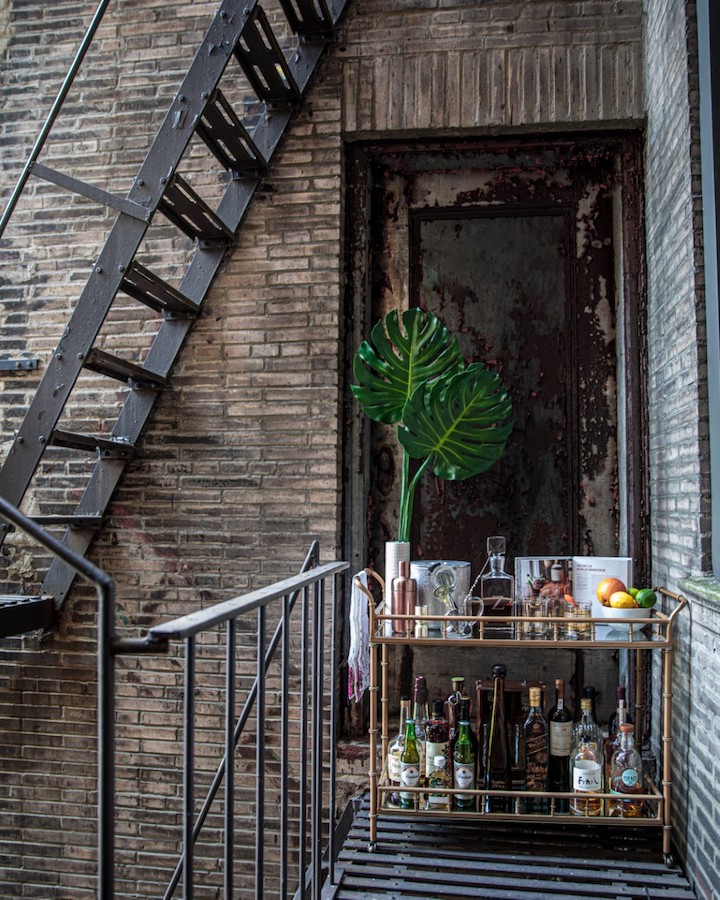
52 115
106 684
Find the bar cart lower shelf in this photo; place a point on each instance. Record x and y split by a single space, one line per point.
653 633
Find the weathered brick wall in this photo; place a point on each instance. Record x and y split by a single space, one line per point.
241 465
678 415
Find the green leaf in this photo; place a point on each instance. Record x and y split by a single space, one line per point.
462 422
402 354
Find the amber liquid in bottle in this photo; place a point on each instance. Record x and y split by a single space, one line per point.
498 769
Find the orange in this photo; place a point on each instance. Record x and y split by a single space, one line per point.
607 587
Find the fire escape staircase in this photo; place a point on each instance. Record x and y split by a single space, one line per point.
240 34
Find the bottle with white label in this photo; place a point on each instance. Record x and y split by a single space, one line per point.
464 763
395 753
560 725
409 768
439 778
586 764
626 780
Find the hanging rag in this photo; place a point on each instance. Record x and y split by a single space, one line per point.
359 655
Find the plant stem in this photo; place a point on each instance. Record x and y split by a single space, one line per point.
407 495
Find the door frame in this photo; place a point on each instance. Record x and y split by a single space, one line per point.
363 161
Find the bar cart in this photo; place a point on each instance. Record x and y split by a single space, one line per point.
651 633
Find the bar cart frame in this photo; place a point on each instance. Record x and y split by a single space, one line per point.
655 634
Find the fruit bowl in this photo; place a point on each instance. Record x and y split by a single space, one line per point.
610 612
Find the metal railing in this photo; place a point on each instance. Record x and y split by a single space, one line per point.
302 648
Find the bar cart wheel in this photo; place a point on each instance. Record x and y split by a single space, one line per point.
669 860
372 846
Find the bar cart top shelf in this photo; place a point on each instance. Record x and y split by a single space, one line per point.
651 631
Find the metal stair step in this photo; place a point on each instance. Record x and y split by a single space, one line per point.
106 446
308 17
228 139
20 614
122 370
71 520
186 209
264 62
146 287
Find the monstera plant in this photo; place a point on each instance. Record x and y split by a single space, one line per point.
452 416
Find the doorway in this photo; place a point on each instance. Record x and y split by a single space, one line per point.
530 253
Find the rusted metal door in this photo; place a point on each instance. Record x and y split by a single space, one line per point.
522 251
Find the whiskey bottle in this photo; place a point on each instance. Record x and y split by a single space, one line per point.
394 755
497 774
420 717
587 764
612 742
497 591
439 777
437 737
591 694
464 766
409 768
535 743
626 779
560 725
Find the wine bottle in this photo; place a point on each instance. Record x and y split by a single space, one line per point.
497 774
464 767
409 768
560 726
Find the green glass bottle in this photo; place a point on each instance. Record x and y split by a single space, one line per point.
409 768
464 764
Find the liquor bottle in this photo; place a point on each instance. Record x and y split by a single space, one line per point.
409 767
437 736
614 724
463 714
535 743
497 774
497 590
420 717
439 777
464 766
612 741
588 726
586 764
591 694
395 750
626 777
451 704
560 723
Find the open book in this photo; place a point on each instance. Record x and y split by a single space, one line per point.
575 575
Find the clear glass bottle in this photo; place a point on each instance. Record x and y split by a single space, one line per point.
464 768
439 777
612 741
420 717
498 774
497 591
394 755
409 768
586 764
451 704
437 737
535 752
560 728
614 724
626 777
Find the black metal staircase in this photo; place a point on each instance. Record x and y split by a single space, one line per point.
240 34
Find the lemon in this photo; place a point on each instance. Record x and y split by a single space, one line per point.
622 600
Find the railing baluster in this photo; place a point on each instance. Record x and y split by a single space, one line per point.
333 735
284 744
260 756
230 757
302 811
317 721
189 769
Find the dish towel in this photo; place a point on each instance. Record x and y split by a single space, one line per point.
359 655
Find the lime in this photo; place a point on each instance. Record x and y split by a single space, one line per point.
633 591
646 598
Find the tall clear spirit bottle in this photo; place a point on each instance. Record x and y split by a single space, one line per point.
497 591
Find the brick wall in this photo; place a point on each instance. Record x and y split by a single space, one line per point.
241 465
677 389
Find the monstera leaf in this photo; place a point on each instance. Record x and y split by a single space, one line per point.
403 353
460 423
456 418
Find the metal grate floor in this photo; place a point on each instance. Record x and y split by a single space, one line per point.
434 860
